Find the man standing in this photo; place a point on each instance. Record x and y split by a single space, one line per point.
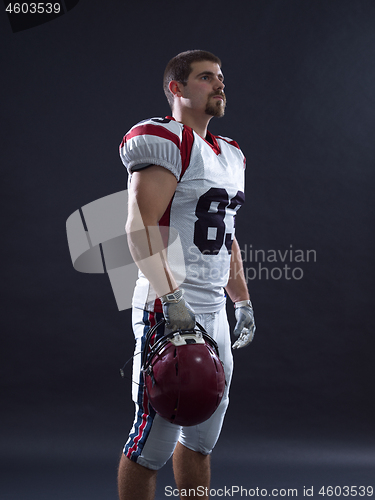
186 180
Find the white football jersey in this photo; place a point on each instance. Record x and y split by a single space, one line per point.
209 192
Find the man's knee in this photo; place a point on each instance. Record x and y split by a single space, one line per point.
190 454
135 481
126 465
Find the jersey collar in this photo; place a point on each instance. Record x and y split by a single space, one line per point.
210 139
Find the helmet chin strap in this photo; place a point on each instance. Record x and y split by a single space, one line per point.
122 372
150 333
149 352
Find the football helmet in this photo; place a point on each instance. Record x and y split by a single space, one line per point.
183 375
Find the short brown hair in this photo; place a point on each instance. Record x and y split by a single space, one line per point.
179 68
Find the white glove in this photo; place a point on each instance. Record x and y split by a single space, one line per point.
245 326
177 312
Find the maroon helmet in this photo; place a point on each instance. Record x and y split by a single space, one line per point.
183 375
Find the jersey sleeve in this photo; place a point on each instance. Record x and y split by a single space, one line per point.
153 142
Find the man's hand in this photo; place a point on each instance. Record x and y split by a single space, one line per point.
245 326
177 313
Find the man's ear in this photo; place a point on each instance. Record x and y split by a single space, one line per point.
175 88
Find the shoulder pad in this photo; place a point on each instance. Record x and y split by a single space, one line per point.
156 141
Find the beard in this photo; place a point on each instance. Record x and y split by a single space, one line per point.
215 107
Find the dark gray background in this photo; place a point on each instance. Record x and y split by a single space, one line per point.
301 99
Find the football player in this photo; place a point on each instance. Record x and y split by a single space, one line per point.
185 187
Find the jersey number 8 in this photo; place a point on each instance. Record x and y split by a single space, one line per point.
209 229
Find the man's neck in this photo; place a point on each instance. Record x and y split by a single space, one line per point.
198 123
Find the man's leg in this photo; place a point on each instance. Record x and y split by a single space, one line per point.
191 469
135 482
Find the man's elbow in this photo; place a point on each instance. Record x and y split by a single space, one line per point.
128 227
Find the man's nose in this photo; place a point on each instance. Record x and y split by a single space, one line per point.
219 85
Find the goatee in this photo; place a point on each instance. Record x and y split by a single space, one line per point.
216 107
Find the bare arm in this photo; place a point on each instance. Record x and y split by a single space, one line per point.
237 286
150 193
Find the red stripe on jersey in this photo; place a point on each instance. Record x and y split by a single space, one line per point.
140 432
213 143
232 143
165 218
153 130
145 403
152 324
186 147
158 306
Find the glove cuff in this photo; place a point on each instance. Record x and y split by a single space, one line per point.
172 297
243 303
